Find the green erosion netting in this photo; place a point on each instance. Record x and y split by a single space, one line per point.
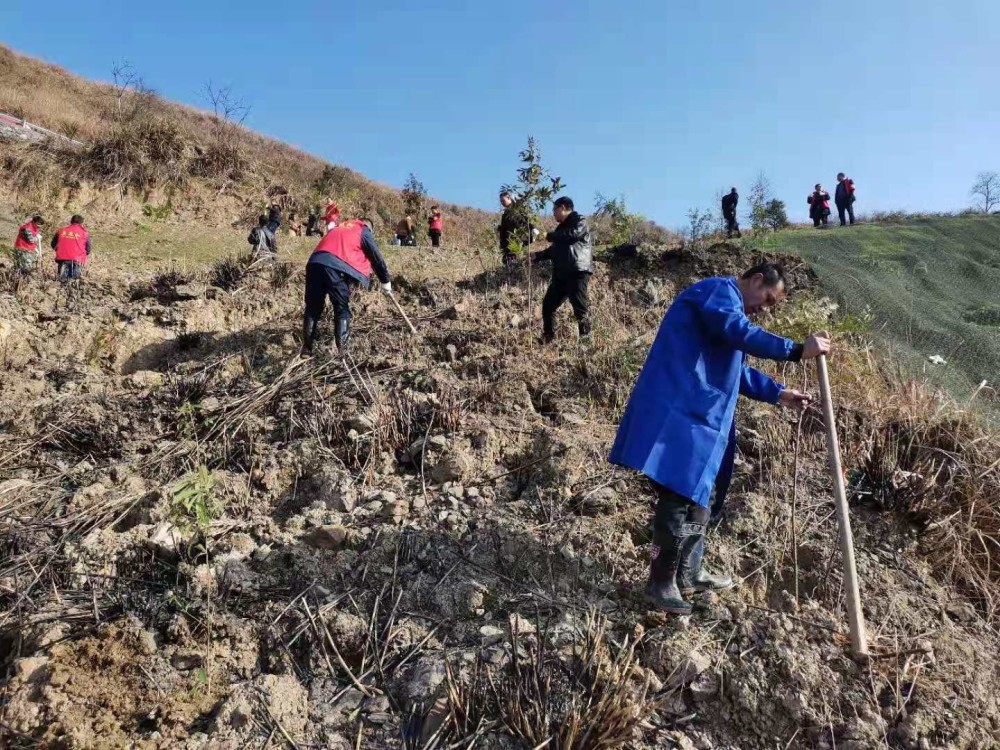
931 288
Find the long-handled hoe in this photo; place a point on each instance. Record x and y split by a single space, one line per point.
856 618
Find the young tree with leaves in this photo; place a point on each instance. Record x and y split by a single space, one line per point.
534 189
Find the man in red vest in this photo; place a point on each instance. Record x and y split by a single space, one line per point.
72 246
435 226
28 244
342 260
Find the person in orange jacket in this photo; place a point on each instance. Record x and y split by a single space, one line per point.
435 225
72 246
28 244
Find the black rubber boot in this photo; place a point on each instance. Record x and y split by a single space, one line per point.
343 334
662 590
693 576
308 334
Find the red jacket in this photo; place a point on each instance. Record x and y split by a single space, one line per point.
436 222
21 243
344 242
71 243
332 213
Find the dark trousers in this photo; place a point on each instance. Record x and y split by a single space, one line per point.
676 515
732 225
69 269
819 219
435 235
848 209
322 282
574 289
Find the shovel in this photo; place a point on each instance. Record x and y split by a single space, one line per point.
391 296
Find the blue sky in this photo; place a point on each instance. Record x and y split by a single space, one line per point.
664 101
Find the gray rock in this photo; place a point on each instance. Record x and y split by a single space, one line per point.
330 537
186 662
194 290
452 352
688 671
166 540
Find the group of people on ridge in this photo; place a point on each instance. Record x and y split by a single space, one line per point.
818 201
406 229
843 197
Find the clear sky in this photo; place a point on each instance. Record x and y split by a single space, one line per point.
664 101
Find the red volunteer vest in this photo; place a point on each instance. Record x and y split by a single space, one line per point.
22 244
437 223
344 242
72 243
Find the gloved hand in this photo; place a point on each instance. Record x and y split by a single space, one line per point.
387 287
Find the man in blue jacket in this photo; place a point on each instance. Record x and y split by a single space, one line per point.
679 429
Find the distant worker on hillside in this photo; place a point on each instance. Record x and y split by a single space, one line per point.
406 232
513 225
435 226
72 246
331 215
312 223
571 254
729 203
844 197
28 244
342 260
263 238
678 428
819 206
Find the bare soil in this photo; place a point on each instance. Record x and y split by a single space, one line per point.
377 535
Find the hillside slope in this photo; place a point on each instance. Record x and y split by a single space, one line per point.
207 541
930 287
179 181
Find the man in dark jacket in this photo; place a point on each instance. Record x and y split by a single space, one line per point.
572 263
263 238
514 224
678 428
843 196
344 259
729 203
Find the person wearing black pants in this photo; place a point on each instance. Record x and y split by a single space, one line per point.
844 197
729 203
345 258
572 263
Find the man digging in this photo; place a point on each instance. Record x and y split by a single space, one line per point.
679 428
344 258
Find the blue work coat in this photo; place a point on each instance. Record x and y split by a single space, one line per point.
679 417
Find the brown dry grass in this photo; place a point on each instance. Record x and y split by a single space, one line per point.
49 96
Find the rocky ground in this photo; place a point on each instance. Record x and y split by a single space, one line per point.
209 541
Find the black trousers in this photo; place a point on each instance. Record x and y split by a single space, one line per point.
574 289
676 515
69 270
435 235
732 225
322 282
845 208
821 219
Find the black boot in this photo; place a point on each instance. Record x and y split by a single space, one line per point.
662 590
308 334
343 334
693 576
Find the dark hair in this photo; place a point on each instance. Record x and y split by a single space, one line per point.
367 220
772 273
435 208
37 218
507 193
262 220
564 202
76 219
840 174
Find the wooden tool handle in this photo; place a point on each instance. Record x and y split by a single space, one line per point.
856 618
